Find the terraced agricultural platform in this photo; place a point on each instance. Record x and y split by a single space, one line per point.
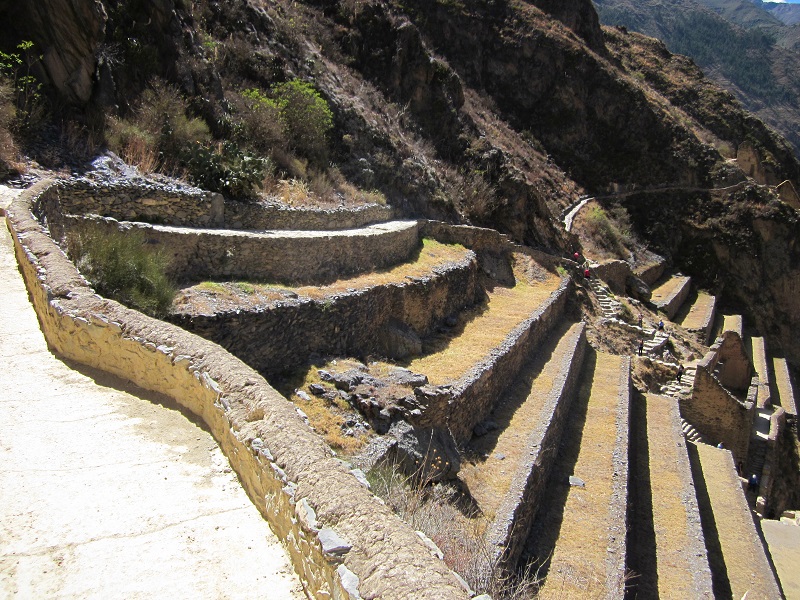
736 553
784 386
677 545
669 296
579 534
700 314
512 463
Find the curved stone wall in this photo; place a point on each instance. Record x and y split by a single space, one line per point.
344 542
185 206
290 257
355 323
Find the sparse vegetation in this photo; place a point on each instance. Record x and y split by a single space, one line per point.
434 510
121 266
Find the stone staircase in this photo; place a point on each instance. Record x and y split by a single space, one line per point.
609 305
683 388
579 536
691 433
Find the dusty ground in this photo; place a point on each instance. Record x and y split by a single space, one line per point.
108 492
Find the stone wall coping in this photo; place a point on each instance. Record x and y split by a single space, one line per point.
285 468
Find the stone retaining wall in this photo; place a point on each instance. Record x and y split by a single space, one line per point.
343 542
514 517
138 201
466 402
672 304
263 216
184 206
355 323
717 414
281 257
696 555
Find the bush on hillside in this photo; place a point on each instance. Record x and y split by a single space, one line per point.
156 134
227 169
259 123
8 148
120 265
307 116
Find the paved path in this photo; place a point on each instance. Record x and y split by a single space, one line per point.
109 492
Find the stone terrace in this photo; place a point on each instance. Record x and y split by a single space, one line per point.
679 544
736 552
700 315
582 522
513 462
671 294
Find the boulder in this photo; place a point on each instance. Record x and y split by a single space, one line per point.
615 273
636 288
428 453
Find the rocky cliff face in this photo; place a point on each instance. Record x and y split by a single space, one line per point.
68 34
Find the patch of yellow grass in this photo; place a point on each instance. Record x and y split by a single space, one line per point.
669 512
698 313
432 255
481 329
581 548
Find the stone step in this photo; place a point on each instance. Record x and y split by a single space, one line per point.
668 550
671 294
691 433
579 539
507 479
739 562
700 315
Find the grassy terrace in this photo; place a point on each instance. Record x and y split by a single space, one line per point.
489 478
575 523
212 296
666 289
746 564
483 328
700 312
667 456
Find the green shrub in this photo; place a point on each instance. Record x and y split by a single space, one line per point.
8 147
603 230
225 168
120 265
307 116
17 69
259 123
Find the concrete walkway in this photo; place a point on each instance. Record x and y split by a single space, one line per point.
107 491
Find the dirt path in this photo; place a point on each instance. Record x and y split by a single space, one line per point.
110 492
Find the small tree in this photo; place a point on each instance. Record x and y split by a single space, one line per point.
307 116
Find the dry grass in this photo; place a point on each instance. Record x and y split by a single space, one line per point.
578 565
669 512
329 417
666 289
698 313
482 329
517 414
208 297
435 511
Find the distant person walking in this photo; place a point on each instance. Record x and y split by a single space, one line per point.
641 347
680 373
640 320
661 325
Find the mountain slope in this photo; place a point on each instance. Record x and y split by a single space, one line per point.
748 62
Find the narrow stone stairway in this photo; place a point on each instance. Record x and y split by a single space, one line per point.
609 305
510 463
683 388
579 537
